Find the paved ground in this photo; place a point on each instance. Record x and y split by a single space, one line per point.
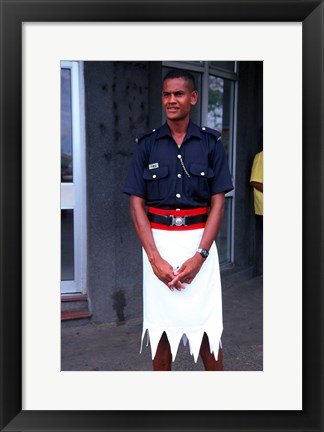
111 347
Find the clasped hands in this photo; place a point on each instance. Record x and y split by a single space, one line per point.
175 279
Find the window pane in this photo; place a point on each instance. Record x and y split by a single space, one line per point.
220 108
223 239
67 245
227 65
195 112
220 112
66 127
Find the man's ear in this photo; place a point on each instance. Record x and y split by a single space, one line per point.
194 97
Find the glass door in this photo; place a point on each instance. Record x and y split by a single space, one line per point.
221 117
73 223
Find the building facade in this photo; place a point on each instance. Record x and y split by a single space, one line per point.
104 105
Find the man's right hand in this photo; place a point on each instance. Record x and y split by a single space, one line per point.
164 271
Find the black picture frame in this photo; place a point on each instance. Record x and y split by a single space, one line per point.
13 14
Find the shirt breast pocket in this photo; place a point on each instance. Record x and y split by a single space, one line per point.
201 177
156 182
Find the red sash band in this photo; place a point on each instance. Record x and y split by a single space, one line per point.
186 212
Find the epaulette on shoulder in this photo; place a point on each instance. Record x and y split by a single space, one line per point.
213 132
144 135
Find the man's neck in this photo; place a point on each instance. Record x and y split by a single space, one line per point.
178 127
178 130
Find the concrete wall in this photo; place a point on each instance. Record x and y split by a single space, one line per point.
248 229
118 97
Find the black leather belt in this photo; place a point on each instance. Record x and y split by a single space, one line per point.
177 220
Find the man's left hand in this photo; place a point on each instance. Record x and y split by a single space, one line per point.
188 271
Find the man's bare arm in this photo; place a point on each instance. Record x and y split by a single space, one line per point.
162 269
257 185
191 267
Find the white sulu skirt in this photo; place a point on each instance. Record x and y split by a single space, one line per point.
185 314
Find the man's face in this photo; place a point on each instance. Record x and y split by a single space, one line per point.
177 98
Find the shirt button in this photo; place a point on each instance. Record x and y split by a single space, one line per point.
202 173
179 176
154 175
178 196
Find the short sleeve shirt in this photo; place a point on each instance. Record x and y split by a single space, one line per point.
169 177
257 176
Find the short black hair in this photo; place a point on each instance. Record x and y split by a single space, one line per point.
181 73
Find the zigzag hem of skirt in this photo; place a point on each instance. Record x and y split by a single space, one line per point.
193 337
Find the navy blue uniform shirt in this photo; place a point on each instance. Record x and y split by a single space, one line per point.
169 177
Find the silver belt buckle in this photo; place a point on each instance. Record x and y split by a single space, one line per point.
178 220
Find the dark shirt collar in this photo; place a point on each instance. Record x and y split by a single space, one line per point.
193 131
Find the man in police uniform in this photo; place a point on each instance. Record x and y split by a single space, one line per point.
179 171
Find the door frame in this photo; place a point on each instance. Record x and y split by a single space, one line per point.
73 195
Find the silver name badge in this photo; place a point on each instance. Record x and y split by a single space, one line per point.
153 166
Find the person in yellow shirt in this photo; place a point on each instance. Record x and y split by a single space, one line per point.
256 181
